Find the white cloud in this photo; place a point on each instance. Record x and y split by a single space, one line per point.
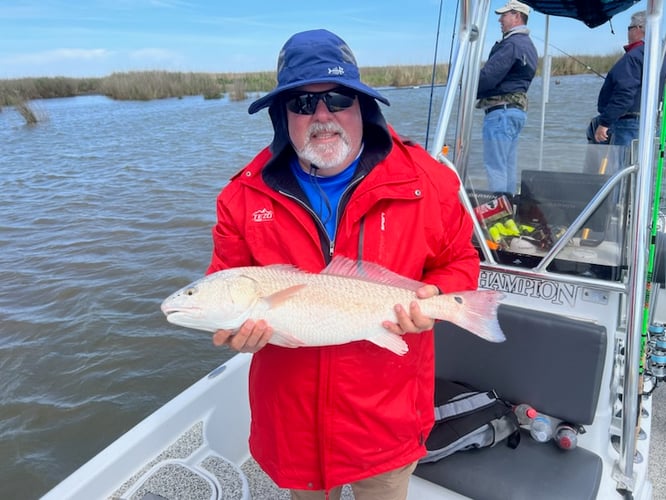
55 56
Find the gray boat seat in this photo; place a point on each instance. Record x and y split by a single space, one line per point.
552 362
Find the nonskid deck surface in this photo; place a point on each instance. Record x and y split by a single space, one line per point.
189 469
186 469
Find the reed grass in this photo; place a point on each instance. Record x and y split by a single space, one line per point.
22 107
238 90
562 66
403 76
148 85
26 112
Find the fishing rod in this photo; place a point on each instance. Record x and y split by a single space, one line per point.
434 71
656 199
587 66
656 202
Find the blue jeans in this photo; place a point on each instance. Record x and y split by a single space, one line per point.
624 131
621 133
501 129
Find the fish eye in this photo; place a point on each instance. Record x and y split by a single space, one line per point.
190 291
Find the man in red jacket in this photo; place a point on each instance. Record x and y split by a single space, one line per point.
337 180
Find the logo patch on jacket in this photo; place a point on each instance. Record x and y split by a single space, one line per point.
262 215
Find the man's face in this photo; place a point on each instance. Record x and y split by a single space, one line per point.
330 140
510 20
635 33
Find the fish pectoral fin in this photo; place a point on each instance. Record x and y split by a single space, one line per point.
390 341
279 297
285 339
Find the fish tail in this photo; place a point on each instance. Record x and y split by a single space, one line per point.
477 313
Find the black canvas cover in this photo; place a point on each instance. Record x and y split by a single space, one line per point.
592 12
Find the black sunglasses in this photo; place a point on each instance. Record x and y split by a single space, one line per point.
629 28
305 103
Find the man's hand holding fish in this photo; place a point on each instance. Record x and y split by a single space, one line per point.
414 321
250 337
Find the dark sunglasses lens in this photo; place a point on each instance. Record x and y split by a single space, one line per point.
335 101
306 104
302 104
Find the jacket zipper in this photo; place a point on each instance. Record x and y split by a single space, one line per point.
320 225
341 207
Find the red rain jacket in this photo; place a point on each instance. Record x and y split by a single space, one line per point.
326 416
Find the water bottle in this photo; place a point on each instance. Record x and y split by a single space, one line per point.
524 413
566 437
541 428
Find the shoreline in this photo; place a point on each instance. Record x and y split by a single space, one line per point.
160 84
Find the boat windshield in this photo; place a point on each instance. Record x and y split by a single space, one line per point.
568 212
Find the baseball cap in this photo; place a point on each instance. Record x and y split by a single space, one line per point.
514 5
316 56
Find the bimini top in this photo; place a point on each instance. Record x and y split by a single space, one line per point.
592 12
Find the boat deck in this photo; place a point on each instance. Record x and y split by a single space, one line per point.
189 469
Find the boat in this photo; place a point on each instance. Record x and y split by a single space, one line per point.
580 293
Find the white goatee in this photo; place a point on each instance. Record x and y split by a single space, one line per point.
328 155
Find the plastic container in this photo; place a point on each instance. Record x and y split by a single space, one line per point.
566 437
541 428
524 413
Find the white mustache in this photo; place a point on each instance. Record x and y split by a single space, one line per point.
329 128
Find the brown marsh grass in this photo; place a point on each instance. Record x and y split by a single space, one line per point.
26 112
148 85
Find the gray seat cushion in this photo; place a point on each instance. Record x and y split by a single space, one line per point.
552 362
531 471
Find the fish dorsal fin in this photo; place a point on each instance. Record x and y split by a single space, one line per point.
369 271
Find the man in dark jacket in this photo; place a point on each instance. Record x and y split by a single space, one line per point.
620 96
502 93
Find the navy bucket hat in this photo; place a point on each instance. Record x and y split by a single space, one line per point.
316 56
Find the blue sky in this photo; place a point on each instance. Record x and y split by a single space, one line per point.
98 37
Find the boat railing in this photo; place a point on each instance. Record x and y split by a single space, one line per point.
609 191
631 282
584 216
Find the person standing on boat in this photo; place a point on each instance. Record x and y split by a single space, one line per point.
619 99
337 180
502 94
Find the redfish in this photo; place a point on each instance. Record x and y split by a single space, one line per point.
346 302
